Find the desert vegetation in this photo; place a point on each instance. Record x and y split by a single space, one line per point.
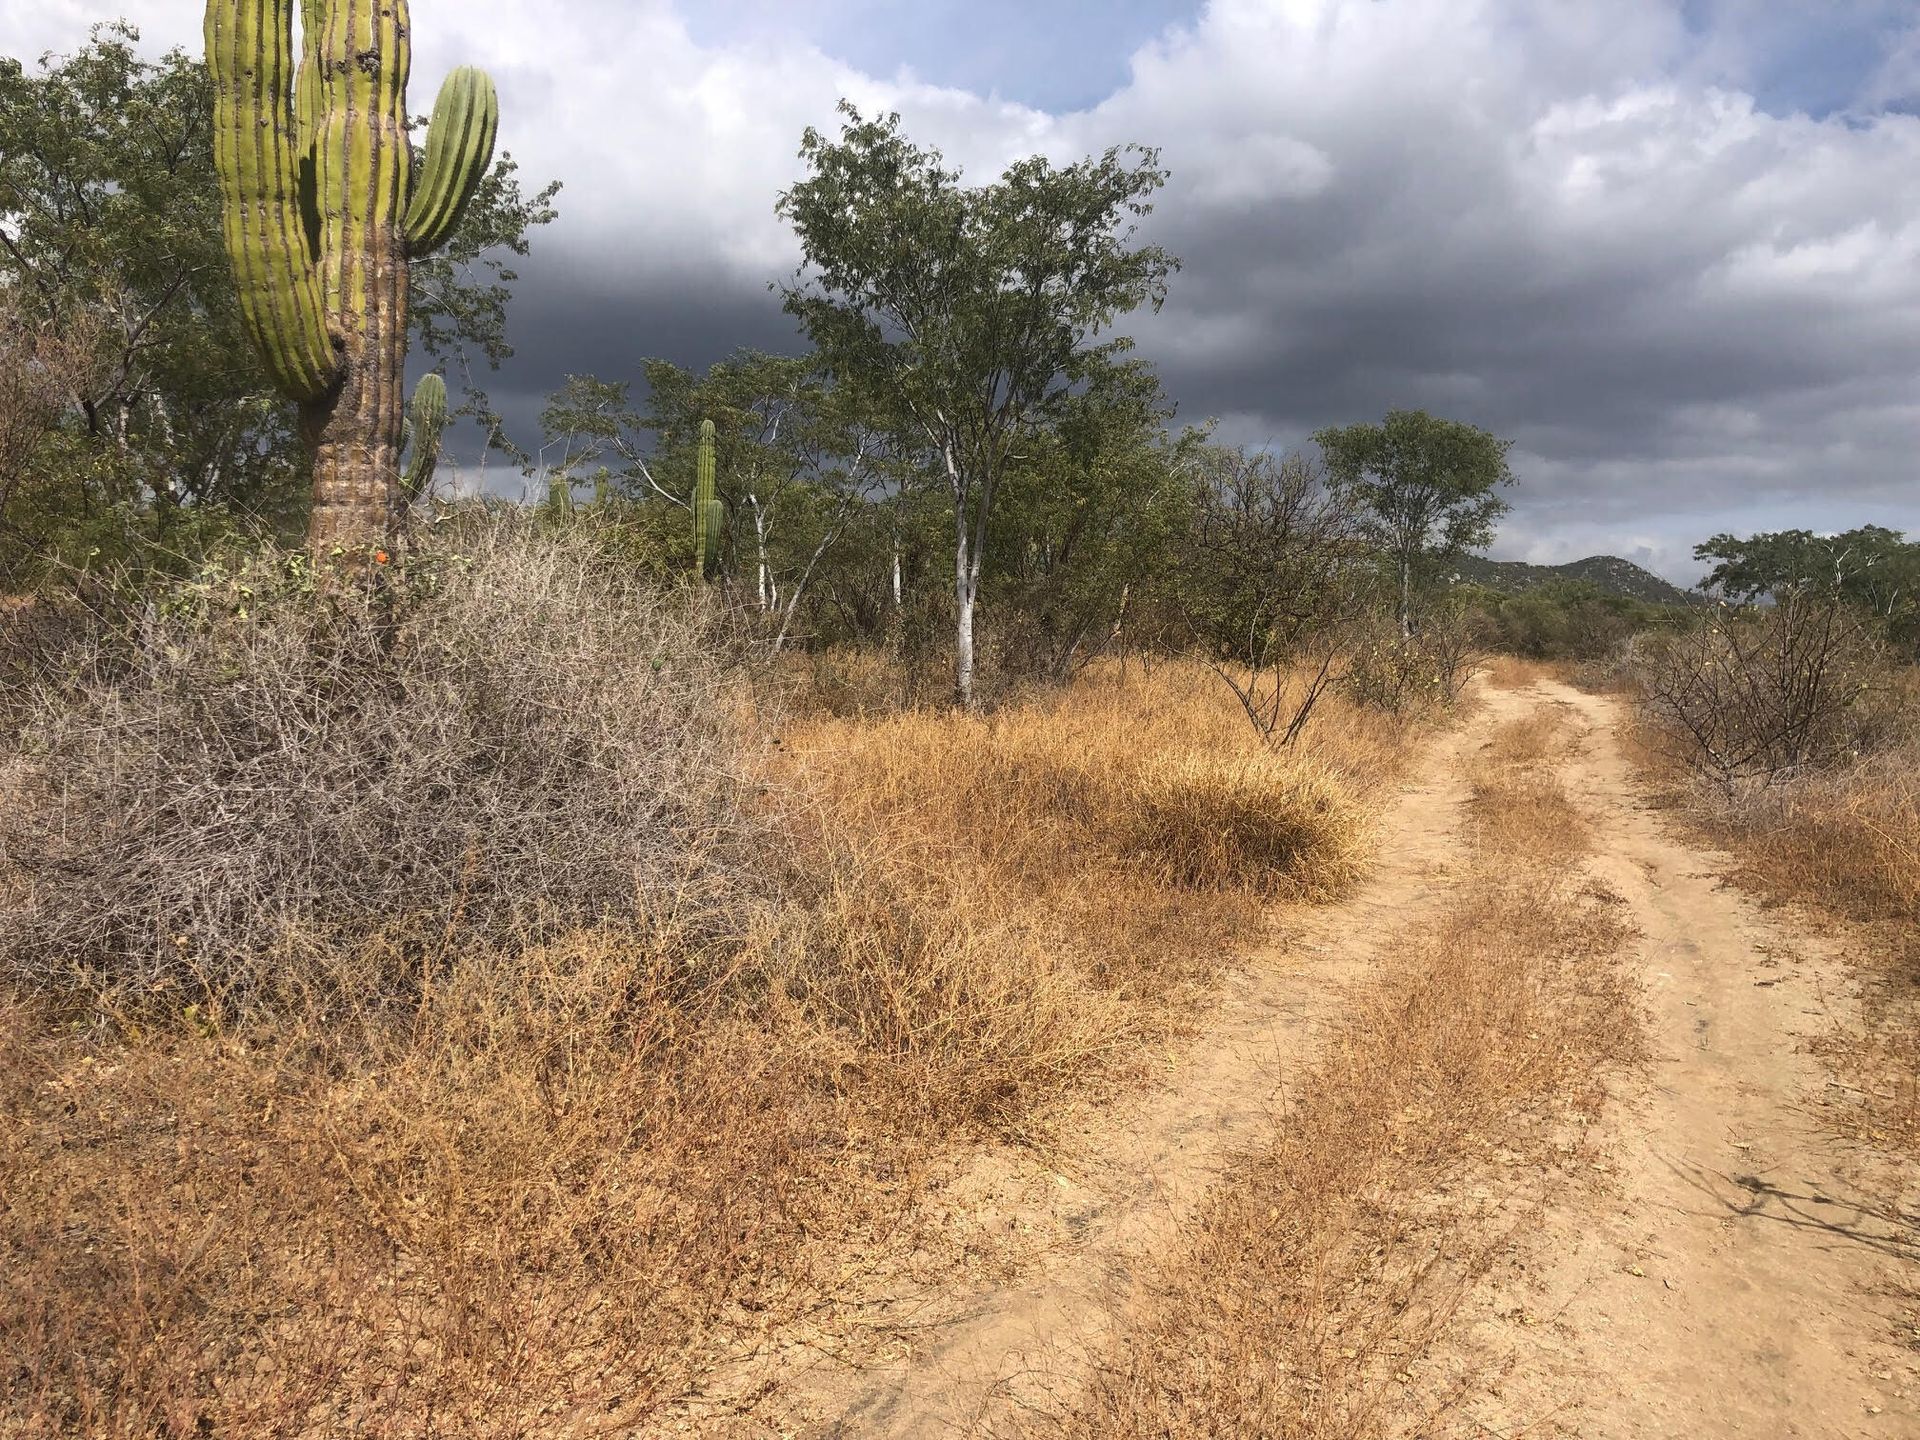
1785 723
483 963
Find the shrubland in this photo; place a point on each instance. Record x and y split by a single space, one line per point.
476 995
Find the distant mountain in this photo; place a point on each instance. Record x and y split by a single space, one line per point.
1608 572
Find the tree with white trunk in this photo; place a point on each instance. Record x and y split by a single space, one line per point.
967 316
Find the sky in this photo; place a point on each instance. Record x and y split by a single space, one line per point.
1669 248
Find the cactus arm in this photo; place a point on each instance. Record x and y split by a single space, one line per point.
466 120
706 509
427 419
249 45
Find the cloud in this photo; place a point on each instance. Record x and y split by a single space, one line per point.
1670 247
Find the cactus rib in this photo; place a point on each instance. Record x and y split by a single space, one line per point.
249 56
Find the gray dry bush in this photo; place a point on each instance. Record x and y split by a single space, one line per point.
230 788
1760 698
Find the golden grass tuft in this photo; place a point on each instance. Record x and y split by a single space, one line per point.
1516 672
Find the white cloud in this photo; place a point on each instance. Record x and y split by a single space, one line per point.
1572 223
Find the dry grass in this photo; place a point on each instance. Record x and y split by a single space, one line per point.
544 1187
1320 1274
1054 885
1516 672
1521 812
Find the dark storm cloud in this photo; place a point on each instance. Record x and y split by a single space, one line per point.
1670 247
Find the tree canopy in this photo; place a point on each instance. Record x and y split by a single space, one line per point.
964 319
1427 487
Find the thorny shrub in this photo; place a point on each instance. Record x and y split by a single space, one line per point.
489 739
1762 697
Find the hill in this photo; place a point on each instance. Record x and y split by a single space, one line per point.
1608 572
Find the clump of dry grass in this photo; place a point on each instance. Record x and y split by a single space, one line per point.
1848 837
1325 1266
1520 809
467 1165
1516 672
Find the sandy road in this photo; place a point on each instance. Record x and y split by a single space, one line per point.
997 1353
1746 1276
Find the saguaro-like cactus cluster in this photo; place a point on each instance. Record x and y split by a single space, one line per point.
321 216
709 515
426 419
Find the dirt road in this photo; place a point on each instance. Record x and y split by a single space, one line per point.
1737 1273
1750 1272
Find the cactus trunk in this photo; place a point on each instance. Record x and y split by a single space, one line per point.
361 164
315 188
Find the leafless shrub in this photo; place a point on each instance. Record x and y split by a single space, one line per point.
1274 586
499 736
1763 696
1406 674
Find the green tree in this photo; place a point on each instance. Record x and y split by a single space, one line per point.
1271 575
1426 485
109 225
963 319
1085 523
1870 566
793 460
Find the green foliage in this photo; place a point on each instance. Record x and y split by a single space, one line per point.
110 237
1084 525
793 460
1564 620
1426 486
1869 567
964 319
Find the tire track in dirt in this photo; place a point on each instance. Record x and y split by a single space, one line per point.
1746 1277
1005 1349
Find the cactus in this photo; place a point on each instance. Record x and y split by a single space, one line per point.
320 221
559 496
426 420
709 515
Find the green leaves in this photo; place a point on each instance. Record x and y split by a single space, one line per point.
1426 486
966 308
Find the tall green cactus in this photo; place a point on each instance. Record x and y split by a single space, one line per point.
709 515
320 219
426 420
